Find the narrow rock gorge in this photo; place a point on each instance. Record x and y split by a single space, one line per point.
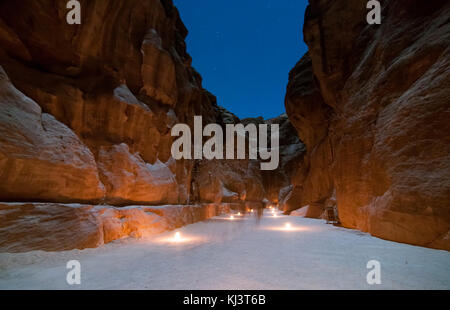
86 113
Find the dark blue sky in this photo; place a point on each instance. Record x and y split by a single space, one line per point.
244 50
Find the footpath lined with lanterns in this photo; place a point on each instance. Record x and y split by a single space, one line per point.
237 250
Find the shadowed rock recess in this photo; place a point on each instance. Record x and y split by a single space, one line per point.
371 103
86 113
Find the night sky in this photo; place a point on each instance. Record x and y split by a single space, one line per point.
244 50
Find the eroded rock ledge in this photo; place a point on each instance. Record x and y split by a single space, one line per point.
59 227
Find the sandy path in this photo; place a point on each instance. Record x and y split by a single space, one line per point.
224 254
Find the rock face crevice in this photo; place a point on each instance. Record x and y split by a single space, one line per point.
371 105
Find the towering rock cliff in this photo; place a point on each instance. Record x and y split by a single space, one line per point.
108 90
371 104
114 82
86 113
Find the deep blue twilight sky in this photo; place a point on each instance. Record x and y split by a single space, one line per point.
244 50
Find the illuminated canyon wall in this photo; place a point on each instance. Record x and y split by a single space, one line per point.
371 103
86 113
87 109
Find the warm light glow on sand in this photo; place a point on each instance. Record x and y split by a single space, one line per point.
288 227
239 214
177 238
275 215
233 218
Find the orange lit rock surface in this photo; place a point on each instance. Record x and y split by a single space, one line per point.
129 179
379 135
59 227
86 113
41 158
121 78
119 82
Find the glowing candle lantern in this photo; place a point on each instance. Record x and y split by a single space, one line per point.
288 226
177 237
232 217
275 215
239 213
251 210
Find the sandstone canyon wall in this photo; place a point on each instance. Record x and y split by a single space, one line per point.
86 113
371 104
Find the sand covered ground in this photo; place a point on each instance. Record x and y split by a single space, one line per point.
236 254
